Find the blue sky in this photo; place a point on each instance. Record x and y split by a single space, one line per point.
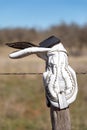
42 13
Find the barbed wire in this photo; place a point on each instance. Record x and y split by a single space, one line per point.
79 73
23 73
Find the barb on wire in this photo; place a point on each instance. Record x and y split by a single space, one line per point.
22 73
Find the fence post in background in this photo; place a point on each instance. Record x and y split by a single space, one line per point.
60 119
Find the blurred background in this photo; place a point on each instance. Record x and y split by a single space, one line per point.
22 98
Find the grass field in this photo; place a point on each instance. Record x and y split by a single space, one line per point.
22 98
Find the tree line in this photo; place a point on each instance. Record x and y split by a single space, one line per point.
73 36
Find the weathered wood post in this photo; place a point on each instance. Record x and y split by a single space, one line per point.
59 79
60 119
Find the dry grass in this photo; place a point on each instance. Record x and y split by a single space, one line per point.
22 98
32 63
28 64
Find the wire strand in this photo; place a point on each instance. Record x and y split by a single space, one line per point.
81 73
22 73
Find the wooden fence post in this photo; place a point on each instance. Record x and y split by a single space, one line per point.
60 119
